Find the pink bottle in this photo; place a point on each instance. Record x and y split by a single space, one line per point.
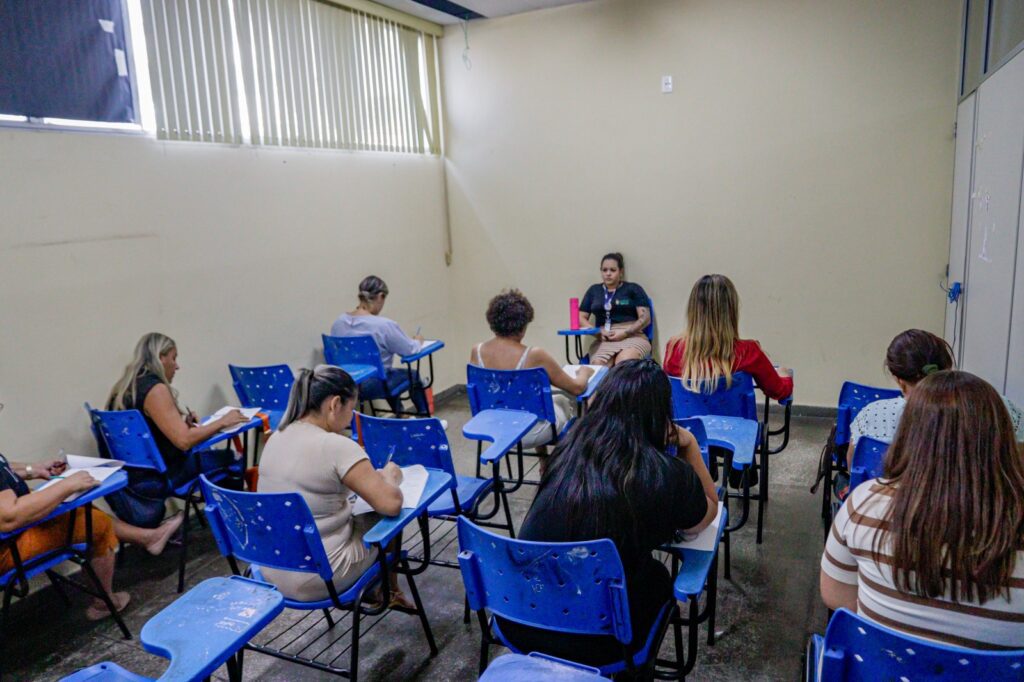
574 313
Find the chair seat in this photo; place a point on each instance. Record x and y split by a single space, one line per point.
58 558
470 489
105 672
519 668
347 597
640 658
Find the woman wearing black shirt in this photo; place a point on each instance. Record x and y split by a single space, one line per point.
622 311
612 478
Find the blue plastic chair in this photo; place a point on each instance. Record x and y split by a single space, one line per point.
202 630
424 441
855 648
736 409
536 666
868 456
360 357
127 437
568 587
277 530
853 398
267 388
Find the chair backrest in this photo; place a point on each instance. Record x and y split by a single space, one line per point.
867 460
353 350
127 437
406 442
275 530
853 397
738 400
528 390
572 587
265 387
859 649
695 425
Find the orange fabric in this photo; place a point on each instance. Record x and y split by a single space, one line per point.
54 533
265 418
252 478
430 400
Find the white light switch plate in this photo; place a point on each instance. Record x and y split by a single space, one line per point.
666 83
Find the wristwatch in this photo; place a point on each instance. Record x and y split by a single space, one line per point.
28 470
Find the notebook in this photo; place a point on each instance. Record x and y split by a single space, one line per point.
97 467
414 482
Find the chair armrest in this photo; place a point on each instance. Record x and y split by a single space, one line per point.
503 428
112 484
588 331
438 483
423 352
220 436
600 372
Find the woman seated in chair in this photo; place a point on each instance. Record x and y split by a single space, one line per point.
622 310
146 386
508 315
309 455
366 320
20 507
711 348
935 546
912 355
614 477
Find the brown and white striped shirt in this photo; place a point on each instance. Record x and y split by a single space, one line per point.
848 558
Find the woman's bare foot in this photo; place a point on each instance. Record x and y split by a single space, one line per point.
98 610
163 533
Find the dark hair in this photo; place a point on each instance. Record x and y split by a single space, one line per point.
614 456
371 287
957 485
615 256
915 353
509 313
312 387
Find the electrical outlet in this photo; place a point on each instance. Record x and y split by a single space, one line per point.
666 84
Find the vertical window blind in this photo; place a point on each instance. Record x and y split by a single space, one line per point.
298 73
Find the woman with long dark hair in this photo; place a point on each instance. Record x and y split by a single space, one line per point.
613 477
934 546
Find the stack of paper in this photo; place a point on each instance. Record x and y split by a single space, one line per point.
98 468
247 412
414 482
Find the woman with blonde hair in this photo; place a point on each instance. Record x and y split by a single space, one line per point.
145 386
711 348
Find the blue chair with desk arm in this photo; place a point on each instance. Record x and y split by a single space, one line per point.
856 649
868 457
277 530
568 587
125 435
267 388
202 630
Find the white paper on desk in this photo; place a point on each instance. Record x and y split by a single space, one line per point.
80 462
705 540
599 370
414 482
102 472
428 342
247 412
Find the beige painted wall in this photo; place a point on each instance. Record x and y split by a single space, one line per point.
806 152
240 255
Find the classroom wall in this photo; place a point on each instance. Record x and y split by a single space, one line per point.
240 255
806 151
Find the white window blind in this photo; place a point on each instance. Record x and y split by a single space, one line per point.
300 73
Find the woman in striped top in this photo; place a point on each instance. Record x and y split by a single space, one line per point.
934 547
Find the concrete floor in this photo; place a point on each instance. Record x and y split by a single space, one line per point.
765 612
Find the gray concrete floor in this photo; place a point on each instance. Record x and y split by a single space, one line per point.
765 612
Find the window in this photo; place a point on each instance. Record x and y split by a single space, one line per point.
65 63
299 73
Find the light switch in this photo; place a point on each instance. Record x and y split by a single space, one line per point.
666 83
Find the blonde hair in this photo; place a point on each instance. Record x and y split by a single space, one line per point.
712 329
148 351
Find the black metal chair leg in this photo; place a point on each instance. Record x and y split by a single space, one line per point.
508 514
327 616
465 610
353 669
420 611
102 593
59 588
713 597
184 545
484 646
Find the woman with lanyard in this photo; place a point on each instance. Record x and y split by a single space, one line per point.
622 310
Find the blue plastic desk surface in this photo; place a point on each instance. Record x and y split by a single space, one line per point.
693 573
112 484
423 352
588 331
736 434
502 428
438 483
209 623
600 371
534 668
221 437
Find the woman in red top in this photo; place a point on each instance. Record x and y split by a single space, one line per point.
710 347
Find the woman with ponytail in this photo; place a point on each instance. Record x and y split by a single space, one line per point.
145 386
309 455
366 320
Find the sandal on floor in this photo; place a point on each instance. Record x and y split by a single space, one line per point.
120 600
398 599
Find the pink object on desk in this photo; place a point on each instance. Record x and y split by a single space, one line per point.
574 313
